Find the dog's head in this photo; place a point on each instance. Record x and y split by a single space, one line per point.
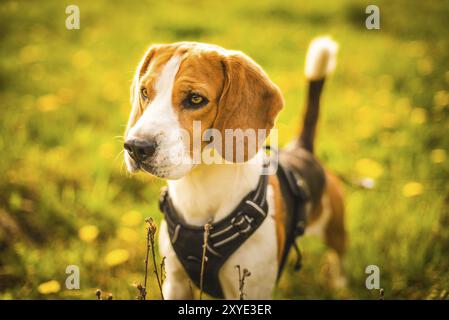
178 84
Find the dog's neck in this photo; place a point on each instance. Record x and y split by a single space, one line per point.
211 191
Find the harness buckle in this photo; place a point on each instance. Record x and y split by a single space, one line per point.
239 223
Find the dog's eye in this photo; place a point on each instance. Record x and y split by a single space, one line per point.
144 93
194 100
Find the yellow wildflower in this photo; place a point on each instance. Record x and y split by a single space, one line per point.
389 120
438 155
132 218
418 116
116 257
368 168
88 233
49 287
47 103
412 189
127 234
441 99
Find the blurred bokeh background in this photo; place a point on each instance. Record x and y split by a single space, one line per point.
65 196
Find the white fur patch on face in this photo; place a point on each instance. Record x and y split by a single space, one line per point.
159 123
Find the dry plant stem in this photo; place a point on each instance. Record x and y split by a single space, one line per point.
143 290
240 281
159 282
207 227
191 290
163 274
242 278
151 233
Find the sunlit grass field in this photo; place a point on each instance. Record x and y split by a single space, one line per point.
65 196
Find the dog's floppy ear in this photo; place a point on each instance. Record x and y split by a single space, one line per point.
250 100
137 108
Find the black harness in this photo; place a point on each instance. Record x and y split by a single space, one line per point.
228 234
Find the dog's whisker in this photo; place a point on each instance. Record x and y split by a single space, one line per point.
119 154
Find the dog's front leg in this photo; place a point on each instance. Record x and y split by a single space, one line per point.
258 255
176 285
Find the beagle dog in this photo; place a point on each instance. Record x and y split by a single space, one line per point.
178 84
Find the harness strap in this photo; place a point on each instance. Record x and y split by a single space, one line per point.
295 194
225 236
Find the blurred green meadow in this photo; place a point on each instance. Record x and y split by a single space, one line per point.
65 195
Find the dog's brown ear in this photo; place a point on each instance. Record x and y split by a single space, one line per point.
250 100
137 108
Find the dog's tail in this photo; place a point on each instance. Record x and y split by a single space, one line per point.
320 61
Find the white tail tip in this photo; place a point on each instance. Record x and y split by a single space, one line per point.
321 58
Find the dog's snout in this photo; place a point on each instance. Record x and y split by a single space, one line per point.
140 150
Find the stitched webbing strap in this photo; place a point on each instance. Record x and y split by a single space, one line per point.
295 194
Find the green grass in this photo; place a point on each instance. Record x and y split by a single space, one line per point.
65 100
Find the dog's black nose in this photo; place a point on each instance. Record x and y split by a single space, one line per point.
140 150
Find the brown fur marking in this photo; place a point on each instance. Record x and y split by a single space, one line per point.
335 235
